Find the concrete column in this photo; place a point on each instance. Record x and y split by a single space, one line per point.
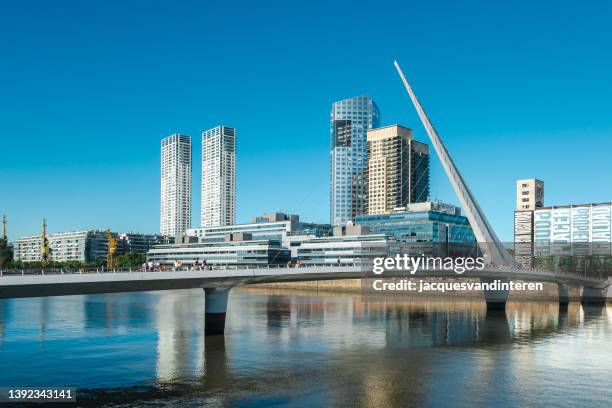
216 308
563 293
595 296
496 299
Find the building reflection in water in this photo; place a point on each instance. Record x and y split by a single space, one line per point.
180 330
383 352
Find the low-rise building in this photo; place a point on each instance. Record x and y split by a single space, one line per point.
274 226
583 229
576 229
140 243
349 245
84 246
225 253
430 221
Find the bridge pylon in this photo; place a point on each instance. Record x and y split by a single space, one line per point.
215 302
489 243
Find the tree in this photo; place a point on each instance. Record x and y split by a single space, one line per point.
132 259
6 253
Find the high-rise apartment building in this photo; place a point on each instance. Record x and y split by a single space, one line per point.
398 169
529 194
218 177
350 121
175 214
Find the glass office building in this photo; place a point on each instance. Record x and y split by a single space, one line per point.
350 121
422 222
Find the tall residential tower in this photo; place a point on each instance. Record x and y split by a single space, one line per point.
218 177
350 121
398 169
175 214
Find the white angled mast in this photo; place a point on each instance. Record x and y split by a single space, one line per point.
485 236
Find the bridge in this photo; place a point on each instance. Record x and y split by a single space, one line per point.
217 282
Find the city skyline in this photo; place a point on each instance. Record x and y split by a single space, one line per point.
75 131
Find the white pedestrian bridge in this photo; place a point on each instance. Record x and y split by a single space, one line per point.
15 283
218 281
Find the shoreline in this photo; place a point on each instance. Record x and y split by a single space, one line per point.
548 294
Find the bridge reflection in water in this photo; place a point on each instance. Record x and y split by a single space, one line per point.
328 348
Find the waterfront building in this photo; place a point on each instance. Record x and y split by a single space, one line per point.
352 247
140 243
350 121
575 229
430 221
398 169
218 177
529 197
229 252
175 214
278 226
583 229
82 246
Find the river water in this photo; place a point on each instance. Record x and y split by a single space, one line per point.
307 349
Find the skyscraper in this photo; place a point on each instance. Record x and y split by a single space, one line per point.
175 214
350 121
218 177
398 169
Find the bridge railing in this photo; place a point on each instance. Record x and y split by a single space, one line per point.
73 271
101 270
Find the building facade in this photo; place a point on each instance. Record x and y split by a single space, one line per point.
583 229
529 194
81 246
345 249
398 169
285 228
84 246
140 243
240 253
175 211
432 222
529 197
350 121
218 177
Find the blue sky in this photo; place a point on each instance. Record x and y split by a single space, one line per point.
88 89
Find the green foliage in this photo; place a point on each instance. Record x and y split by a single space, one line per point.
132 259
53 265
6 254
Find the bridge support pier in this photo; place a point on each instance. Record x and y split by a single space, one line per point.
593 296
496 299
216 307
563 294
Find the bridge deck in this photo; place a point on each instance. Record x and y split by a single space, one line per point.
15 284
